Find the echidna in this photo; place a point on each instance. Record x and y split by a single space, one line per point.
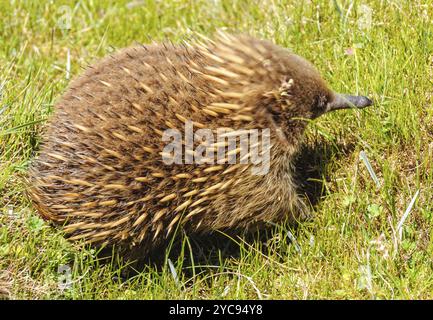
101 172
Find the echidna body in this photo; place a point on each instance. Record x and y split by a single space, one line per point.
100 171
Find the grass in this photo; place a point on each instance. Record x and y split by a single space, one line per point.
350 250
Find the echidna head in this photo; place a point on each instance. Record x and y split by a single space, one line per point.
304 94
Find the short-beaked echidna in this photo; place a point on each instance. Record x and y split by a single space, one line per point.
101 173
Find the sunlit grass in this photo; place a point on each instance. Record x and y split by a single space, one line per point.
349 250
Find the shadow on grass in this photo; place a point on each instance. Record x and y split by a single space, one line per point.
311 167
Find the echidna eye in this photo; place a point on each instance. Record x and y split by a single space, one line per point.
321 102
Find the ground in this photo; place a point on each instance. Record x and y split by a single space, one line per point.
360 243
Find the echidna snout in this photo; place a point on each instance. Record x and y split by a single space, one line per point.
100 172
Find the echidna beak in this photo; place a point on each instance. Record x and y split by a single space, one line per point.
346 101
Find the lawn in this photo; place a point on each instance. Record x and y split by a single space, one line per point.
369 238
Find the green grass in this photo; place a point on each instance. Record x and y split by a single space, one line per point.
348 251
